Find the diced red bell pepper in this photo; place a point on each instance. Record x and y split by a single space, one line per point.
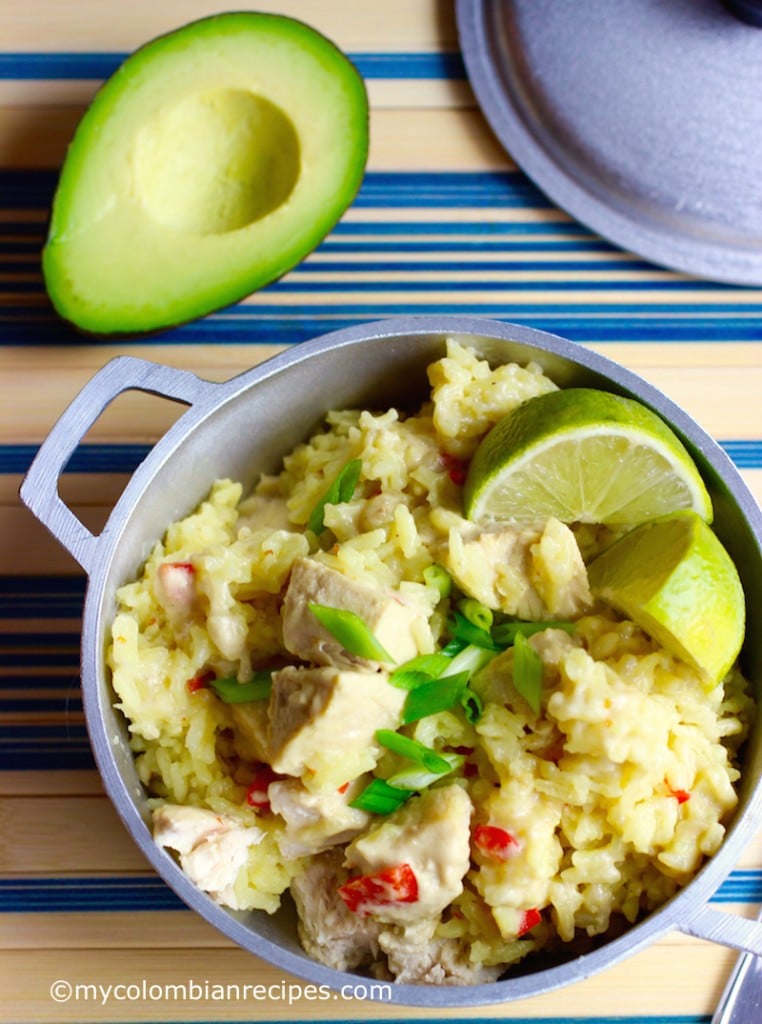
367 893
343 788
200 681
495 842
456 468
681 795
256 794
529 920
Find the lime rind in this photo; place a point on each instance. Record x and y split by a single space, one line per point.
583 455
549 480
674 578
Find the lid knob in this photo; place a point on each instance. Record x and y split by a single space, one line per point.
749 11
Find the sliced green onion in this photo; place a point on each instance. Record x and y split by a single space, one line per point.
471 704
453 647
505 633
415 751
436 695
232 692
342 489
352 633
379 797
435 576
419 778
478 614
469 659
419 670
527 672
467 633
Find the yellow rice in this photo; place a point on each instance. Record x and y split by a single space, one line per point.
627 725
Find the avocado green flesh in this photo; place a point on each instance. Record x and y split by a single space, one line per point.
209 164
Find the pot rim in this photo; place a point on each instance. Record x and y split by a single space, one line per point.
677 913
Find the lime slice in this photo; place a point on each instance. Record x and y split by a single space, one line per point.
674 579
582 455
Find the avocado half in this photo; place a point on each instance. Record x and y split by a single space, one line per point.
212 161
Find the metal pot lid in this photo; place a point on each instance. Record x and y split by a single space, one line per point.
641 118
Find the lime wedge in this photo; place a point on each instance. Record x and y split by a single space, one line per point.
674 579
582 455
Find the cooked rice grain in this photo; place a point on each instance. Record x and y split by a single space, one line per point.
593 788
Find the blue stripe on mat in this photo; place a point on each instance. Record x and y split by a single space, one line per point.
41 597
46 747
407 283
125 458
149 893
312 265
63 746
280 326
33 189
292 285
21 683
407 241
76 65
89 458
69 704
61 656
385 229
723 314
49 895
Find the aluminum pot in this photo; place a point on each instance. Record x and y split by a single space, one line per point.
243 427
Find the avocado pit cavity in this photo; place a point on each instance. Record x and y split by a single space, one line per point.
216 161
212 161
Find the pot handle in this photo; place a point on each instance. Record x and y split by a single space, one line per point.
726 929
39 490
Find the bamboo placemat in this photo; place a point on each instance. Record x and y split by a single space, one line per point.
444 222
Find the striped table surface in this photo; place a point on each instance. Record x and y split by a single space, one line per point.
444 222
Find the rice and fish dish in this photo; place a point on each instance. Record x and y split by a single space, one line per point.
428 730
